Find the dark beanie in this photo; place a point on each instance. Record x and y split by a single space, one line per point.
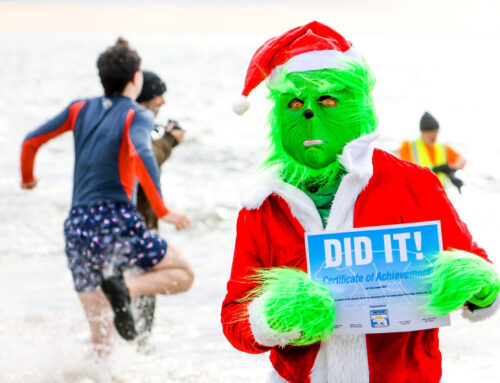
427 122
153 86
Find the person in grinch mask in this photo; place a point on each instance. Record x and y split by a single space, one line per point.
324 174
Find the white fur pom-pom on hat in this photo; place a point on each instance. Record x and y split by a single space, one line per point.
312 46
241 105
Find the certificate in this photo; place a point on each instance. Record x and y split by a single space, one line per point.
377 275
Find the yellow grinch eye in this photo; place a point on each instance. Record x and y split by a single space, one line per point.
328 101
295 104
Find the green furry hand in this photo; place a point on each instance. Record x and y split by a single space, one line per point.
293 303
459 277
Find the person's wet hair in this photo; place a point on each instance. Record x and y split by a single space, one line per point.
117 66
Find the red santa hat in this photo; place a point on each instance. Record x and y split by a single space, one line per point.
313 46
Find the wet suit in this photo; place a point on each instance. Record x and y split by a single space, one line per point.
112 137
112 150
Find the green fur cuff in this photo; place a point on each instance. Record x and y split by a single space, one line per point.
459 277
292 303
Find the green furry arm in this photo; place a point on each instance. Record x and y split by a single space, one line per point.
292 303
459 277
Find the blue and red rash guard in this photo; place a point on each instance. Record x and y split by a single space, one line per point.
113 149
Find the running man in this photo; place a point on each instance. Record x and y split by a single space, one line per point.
104 234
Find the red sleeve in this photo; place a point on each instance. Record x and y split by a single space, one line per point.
148 185
246 258
136 160
61 123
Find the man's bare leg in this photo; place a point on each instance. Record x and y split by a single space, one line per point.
171 276
100 318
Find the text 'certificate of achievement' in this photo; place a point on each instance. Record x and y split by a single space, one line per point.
376 275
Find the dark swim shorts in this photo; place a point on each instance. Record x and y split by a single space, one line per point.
108 236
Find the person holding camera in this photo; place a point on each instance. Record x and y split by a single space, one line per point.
152 97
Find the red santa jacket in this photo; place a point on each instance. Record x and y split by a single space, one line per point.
379 189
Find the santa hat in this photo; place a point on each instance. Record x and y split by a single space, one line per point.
313 46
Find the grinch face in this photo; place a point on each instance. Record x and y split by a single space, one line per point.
314 121
315 115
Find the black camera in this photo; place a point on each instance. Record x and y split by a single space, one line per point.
176 124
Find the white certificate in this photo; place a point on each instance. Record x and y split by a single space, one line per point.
377 275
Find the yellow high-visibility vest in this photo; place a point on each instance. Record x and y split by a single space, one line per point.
422 158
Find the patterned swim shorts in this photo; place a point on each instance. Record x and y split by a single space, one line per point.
108 235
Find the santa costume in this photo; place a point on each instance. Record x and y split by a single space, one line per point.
377 189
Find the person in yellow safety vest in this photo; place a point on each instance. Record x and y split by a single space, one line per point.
426 151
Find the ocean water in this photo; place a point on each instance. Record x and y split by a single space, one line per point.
43 333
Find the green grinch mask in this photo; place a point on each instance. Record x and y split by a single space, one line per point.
315 115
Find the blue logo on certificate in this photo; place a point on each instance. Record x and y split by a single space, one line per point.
379 318
376 271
